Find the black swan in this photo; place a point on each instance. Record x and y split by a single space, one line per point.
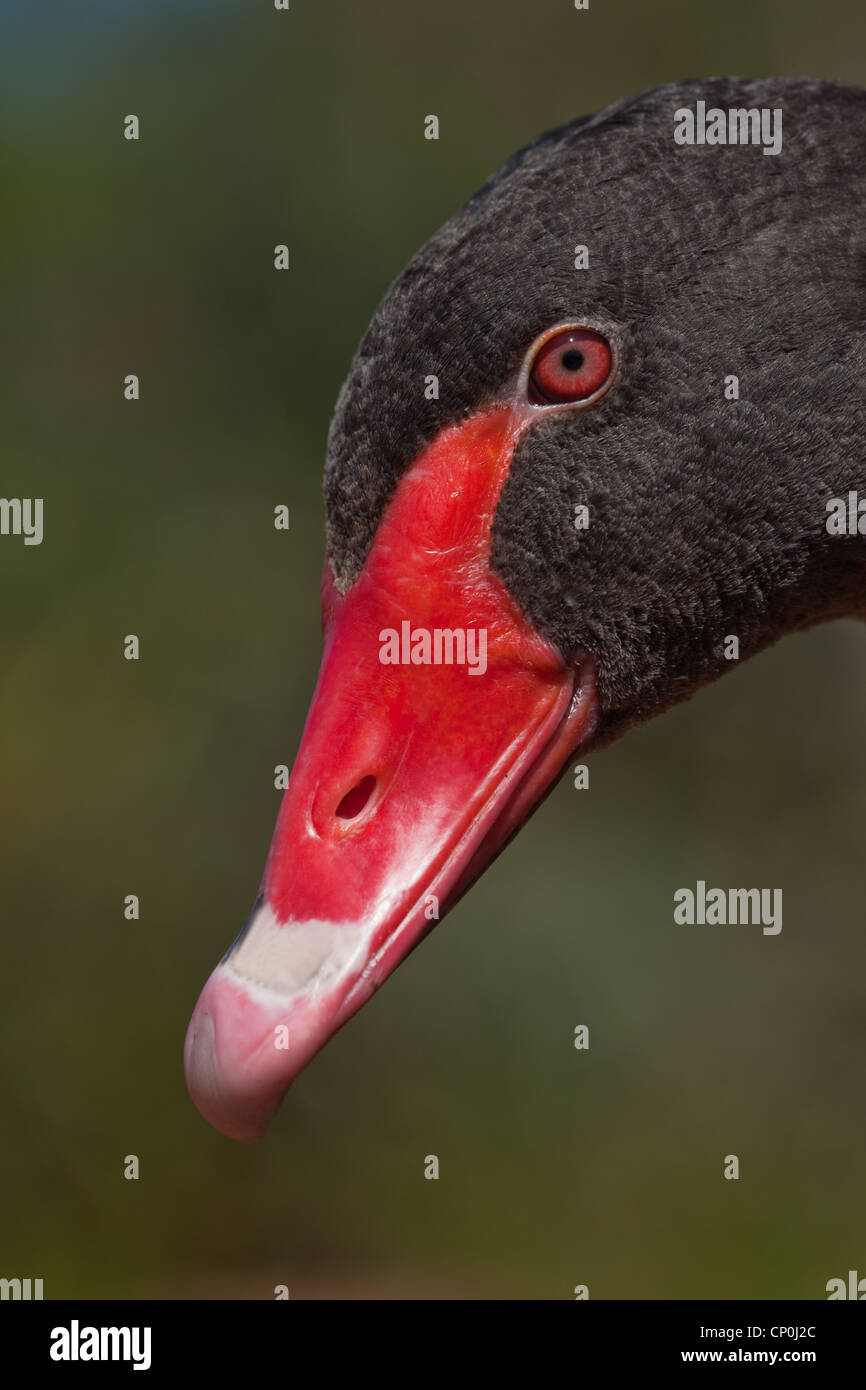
607 420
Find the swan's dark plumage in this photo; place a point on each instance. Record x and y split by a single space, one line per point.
707 515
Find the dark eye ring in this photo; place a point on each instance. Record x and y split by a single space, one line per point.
574 364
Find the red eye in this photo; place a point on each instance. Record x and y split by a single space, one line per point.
571 366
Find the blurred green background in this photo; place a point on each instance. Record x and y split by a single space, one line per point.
156 777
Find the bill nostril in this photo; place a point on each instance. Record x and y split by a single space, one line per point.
355 800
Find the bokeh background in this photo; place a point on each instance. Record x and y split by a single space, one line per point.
156 777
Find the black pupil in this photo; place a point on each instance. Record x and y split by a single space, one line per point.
572 359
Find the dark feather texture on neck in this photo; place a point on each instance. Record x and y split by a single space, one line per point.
707 515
